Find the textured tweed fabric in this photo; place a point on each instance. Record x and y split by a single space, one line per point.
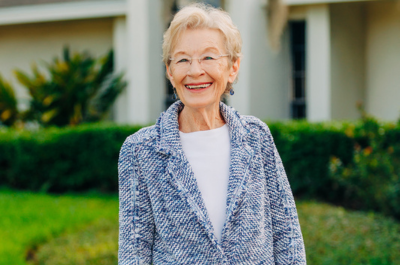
162 216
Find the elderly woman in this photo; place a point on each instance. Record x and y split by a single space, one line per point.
205 185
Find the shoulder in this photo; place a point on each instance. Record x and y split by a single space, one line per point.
259 135
255 125
249 123
144 137
133 147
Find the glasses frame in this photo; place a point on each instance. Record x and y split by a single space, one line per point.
199 59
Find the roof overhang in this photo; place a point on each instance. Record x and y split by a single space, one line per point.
62 11
311 2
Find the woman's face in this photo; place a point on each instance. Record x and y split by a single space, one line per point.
201 85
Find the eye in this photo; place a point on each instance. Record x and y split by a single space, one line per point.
182 60
208 57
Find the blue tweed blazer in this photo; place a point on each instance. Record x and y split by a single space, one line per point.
163 218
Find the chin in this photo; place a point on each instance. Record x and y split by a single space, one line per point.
199 103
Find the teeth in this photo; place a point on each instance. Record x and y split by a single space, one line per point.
199 86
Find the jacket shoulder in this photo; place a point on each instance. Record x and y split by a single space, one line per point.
259 134
254 124
131 148
144 136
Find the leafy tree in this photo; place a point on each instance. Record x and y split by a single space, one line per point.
8 104
75 89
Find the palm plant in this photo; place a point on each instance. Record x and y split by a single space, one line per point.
8 104
78 89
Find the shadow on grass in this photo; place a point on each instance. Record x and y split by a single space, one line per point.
96 244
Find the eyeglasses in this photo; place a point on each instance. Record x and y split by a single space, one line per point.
208 61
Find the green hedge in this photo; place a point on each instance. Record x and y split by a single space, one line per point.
306 149
60 160
85 157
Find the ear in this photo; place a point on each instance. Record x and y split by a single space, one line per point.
170 76
234 71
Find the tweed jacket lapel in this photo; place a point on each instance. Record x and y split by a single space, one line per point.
241 155
182 175
178 166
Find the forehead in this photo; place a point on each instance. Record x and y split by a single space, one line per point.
196 41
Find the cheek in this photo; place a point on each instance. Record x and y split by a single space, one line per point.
175 79
221 66
220 72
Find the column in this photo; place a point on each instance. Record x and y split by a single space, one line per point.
137 92
120 66
318 79
240 12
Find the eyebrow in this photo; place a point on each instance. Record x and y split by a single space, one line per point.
205 50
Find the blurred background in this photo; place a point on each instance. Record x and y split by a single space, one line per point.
78 76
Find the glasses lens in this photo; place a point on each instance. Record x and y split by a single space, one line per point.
181 63
207 61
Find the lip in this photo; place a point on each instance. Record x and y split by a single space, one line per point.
198 84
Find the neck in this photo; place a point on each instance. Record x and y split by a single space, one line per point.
203 119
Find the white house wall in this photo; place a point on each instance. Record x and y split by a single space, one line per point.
383 59
270 74
23 45
352 53
347 59
264 77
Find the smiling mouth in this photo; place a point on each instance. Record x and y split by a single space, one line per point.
196 87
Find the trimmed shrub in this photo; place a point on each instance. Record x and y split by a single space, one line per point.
85 157
306 149
60 160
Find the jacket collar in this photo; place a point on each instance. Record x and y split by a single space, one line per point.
183 178
169 141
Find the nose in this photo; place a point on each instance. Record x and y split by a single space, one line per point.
195 68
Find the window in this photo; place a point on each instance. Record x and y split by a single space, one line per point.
298 55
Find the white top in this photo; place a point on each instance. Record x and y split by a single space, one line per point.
208 153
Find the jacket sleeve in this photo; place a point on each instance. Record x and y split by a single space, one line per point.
136 224
287 237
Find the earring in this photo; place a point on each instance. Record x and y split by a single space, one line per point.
175 97
231 91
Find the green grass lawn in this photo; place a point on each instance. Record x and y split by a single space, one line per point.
28 220
83 230
333 235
